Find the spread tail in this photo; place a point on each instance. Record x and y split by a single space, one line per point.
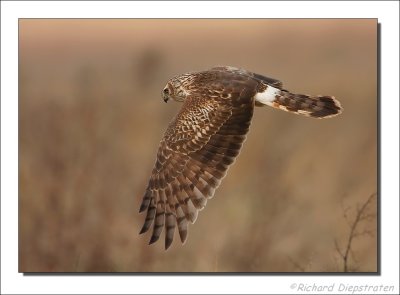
320 106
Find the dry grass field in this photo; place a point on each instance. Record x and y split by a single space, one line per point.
91 117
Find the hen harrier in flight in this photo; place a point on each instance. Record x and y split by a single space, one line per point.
205 137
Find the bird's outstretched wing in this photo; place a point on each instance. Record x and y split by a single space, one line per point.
194 155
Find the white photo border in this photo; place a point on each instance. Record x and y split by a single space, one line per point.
12 282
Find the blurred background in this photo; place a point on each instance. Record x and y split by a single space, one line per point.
91 118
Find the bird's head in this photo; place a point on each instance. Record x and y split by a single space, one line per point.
177 88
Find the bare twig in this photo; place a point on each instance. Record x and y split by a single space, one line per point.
361 215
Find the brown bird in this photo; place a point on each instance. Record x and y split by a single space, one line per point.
205 137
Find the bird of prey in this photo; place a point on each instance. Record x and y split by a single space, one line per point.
205 137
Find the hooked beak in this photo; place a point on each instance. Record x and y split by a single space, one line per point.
164 95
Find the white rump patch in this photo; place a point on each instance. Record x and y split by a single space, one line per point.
268 96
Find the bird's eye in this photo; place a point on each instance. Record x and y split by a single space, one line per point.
166 91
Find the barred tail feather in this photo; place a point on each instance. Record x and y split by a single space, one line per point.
311 106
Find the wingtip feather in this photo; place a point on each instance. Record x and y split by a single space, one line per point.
153 239
142 208
143 230
168 243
